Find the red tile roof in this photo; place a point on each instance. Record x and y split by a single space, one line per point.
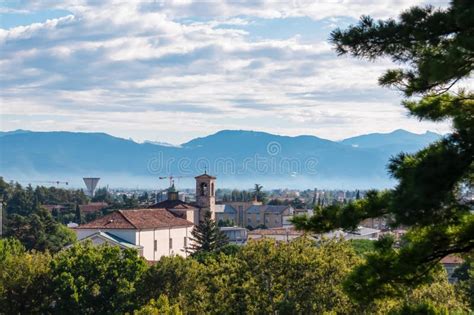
93 207
451 259
137 219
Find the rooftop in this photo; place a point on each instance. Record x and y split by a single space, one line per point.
225 209
173 204
267 209
137 219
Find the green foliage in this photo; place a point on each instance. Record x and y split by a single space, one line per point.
32 224
89 279
226 222
207 237
160 307
259 194
300 277
435 49
179 279
24 279
39 231
465 277
435 45
78 217
362 247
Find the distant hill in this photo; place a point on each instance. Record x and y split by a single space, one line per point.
239 158
394 142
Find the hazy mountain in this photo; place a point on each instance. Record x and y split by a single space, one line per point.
4 133
238 158
394 142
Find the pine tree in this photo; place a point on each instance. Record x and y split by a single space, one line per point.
435 48
78 214
207 237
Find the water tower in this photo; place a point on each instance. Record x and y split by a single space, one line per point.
91 184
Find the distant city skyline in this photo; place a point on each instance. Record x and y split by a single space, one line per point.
170 71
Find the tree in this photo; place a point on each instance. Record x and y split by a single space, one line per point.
465 277
88 279
39 231
258 194
160 307
78 214
435 49
226 222
24 279
179 279
207 237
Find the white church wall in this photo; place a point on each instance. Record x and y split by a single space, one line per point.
162 237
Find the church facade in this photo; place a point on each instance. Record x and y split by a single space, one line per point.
163 229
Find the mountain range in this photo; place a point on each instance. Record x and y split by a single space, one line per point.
238 158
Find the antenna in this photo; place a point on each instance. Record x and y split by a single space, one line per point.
91 184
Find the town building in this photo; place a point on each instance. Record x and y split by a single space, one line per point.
279 234
268 216
226 214
450 264
235 235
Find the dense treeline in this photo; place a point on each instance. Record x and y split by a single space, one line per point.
264 277
26 219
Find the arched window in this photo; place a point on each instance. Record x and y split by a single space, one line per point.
212 189
203 189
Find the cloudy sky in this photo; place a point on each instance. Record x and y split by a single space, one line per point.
174 70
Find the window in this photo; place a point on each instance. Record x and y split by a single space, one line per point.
203 189
185 241
155 245
171 243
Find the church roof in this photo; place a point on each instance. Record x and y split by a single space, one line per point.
137 219
205 175
172 204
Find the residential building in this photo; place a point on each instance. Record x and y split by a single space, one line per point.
363 233
268 215
226 213
236 235
451 263
241 208
93 207
279 234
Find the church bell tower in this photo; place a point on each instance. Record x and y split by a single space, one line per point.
205 194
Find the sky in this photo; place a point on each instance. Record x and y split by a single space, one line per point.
174 70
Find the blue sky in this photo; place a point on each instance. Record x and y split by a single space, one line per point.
175 70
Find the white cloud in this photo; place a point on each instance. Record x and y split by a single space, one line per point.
168 71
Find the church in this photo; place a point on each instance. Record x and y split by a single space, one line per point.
163 229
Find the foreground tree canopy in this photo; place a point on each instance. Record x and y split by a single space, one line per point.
263 277
435 48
